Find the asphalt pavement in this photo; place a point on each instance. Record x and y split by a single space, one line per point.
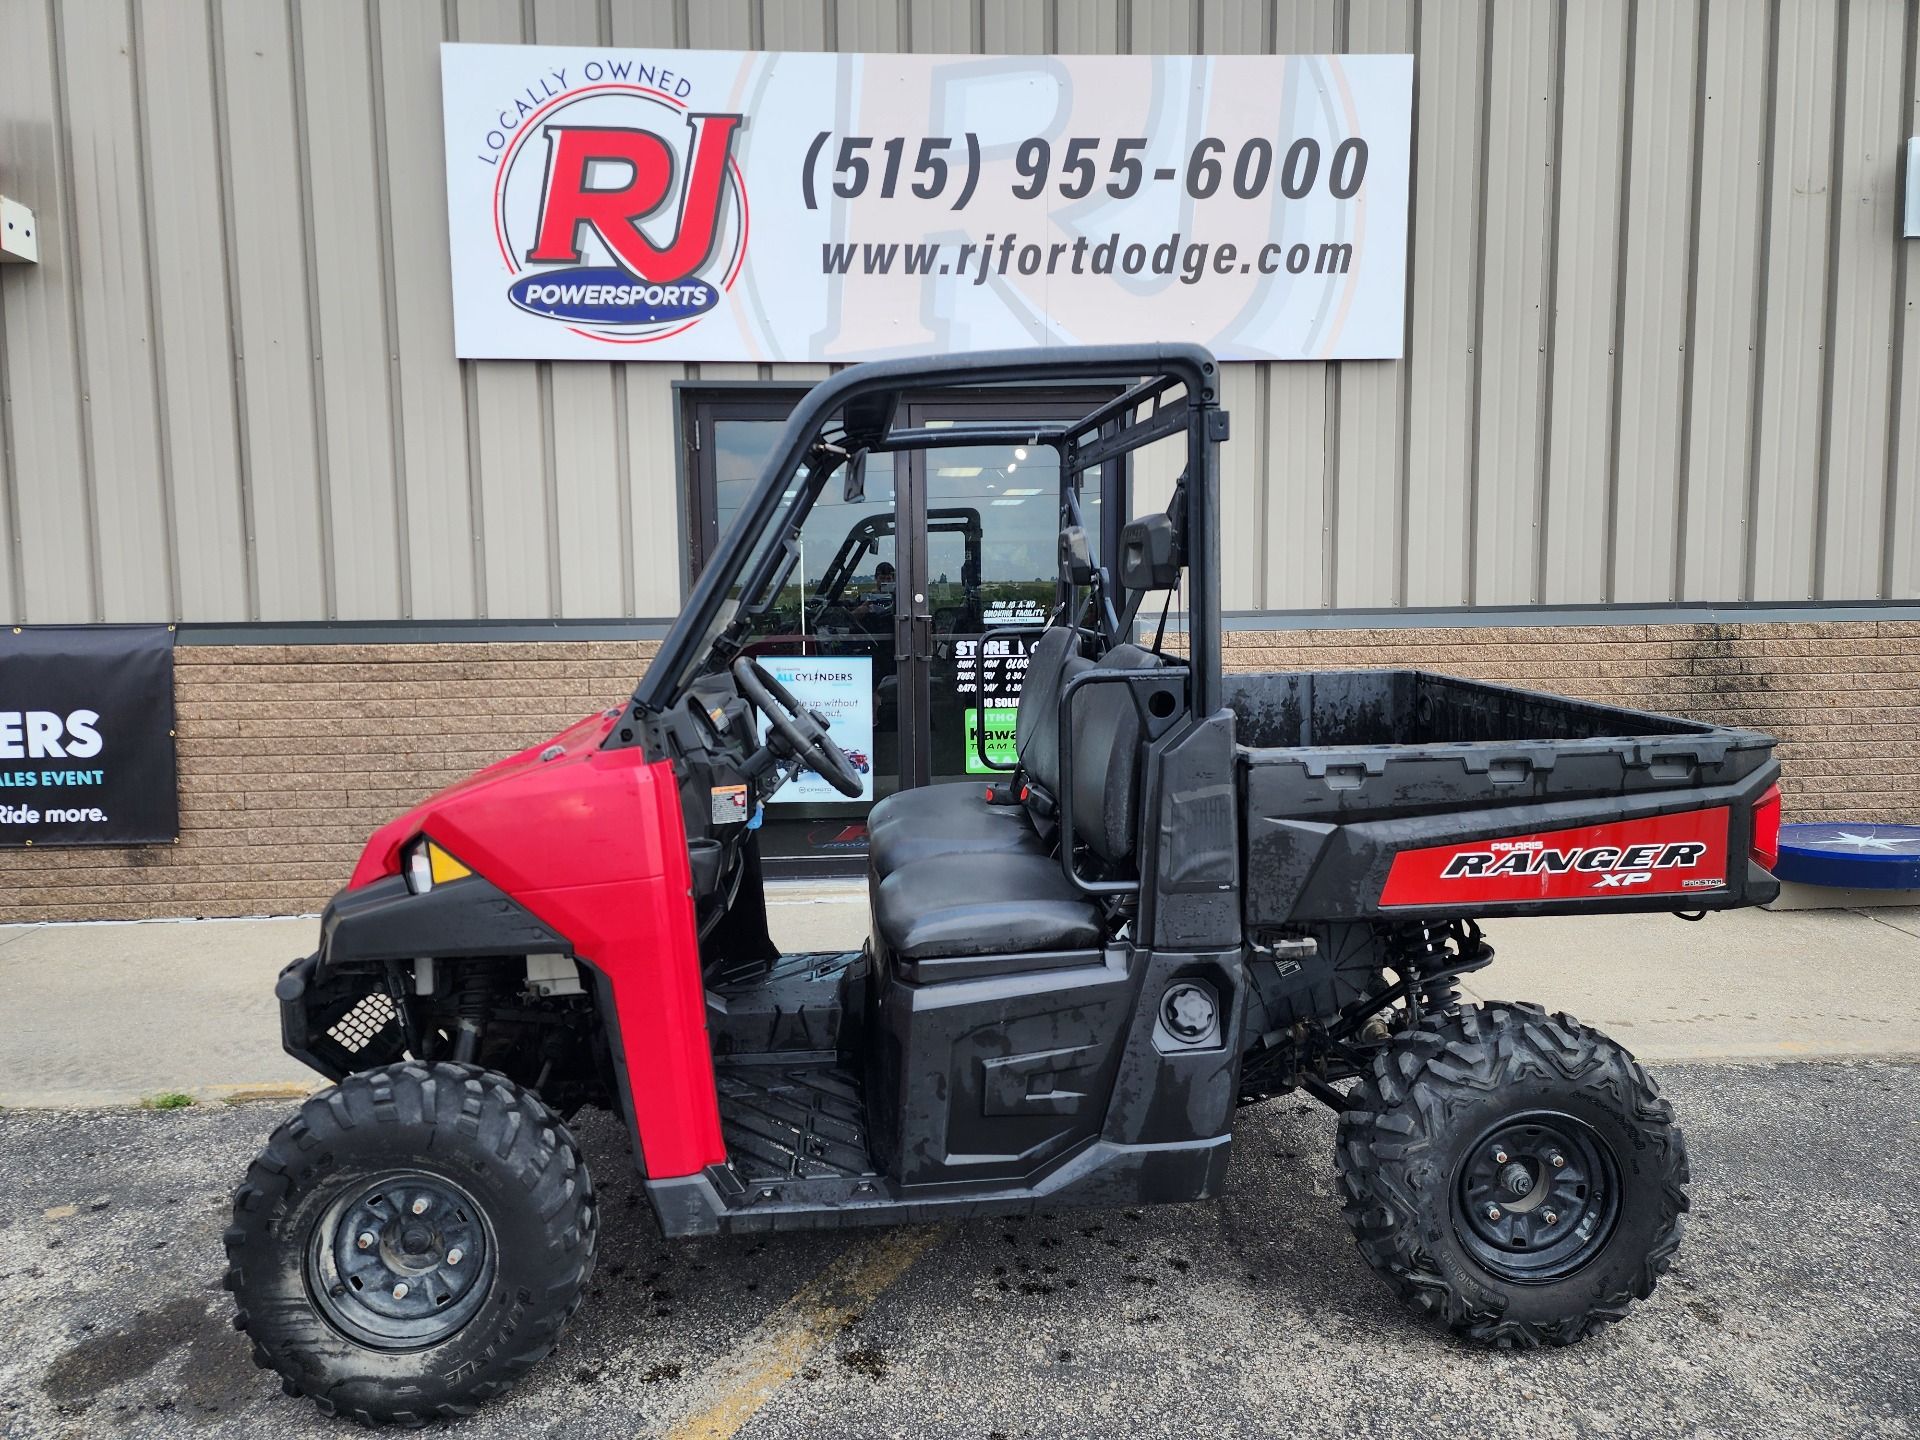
1793 1310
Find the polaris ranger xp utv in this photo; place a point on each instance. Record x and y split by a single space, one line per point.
1193 891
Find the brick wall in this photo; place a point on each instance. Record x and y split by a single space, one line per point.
290 755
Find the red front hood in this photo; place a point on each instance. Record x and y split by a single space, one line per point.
382 855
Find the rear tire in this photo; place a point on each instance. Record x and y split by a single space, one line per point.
411 1242
1448 1161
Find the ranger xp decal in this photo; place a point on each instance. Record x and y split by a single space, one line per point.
1664 855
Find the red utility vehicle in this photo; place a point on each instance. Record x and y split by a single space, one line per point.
1198 890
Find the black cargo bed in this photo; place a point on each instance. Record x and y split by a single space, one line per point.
1343 769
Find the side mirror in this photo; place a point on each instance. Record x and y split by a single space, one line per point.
1076 556
856 484
1150 556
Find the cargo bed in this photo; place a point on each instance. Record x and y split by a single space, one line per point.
1394 792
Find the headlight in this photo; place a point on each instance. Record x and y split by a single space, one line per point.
425 865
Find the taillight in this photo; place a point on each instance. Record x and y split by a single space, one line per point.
1766 830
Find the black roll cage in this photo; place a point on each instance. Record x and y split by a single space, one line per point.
868 397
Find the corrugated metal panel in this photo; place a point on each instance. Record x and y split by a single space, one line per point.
1787 441
1586 277
1013 27
430 394
1244 487
796 27
1860 303
9 574
1903 512
1159 27
943 27
349 245
657 518
192 332
270 265
867 25
646 22
262 417
55 542
1088 27
1515 321
1733 133
1443 302
131 514
1654 302
1366 512
1292 437
720 25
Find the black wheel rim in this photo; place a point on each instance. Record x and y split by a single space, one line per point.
1537 1196
401 1262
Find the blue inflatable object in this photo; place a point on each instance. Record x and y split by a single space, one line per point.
1855 857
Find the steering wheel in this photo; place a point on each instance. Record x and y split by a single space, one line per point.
803 730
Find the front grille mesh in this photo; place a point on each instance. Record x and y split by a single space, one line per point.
361 1025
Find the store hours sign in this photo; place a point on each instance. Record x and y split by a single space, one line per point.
615 204
86 736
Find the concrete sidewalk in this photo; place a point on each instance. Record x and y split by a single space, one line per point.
112 1014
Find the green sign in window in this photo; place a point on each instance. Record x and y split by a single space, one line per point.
1000 744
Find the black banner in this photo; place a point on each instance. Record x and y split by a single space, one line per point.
86 736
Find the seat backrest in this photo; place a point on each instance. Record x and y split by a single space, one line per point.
1052 660
1107 751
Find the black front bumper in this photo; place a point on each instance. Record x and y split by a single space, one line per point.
338 1011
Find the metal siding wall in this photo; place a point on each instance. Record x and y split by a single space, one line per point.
9 572
1516 313
348 276
55 542
1654 303
270 265
1590 169
1615 388
1785 497
1733 131
131 514
1860 304
1443 305
429 392
193 329
1903 509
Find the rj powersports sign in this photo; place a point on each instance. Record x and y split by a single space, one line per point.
86 736
720 205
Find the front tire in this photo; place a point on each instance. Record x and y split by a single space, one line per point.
411 1242
1515 1174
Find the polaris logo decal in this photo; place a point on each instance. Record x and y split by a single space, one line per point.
1662 855
619 206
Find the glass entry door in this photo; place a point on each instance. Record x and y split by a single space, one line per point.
884 624
991 566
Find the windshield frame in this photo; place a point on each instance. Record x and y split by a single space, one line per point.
873 393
